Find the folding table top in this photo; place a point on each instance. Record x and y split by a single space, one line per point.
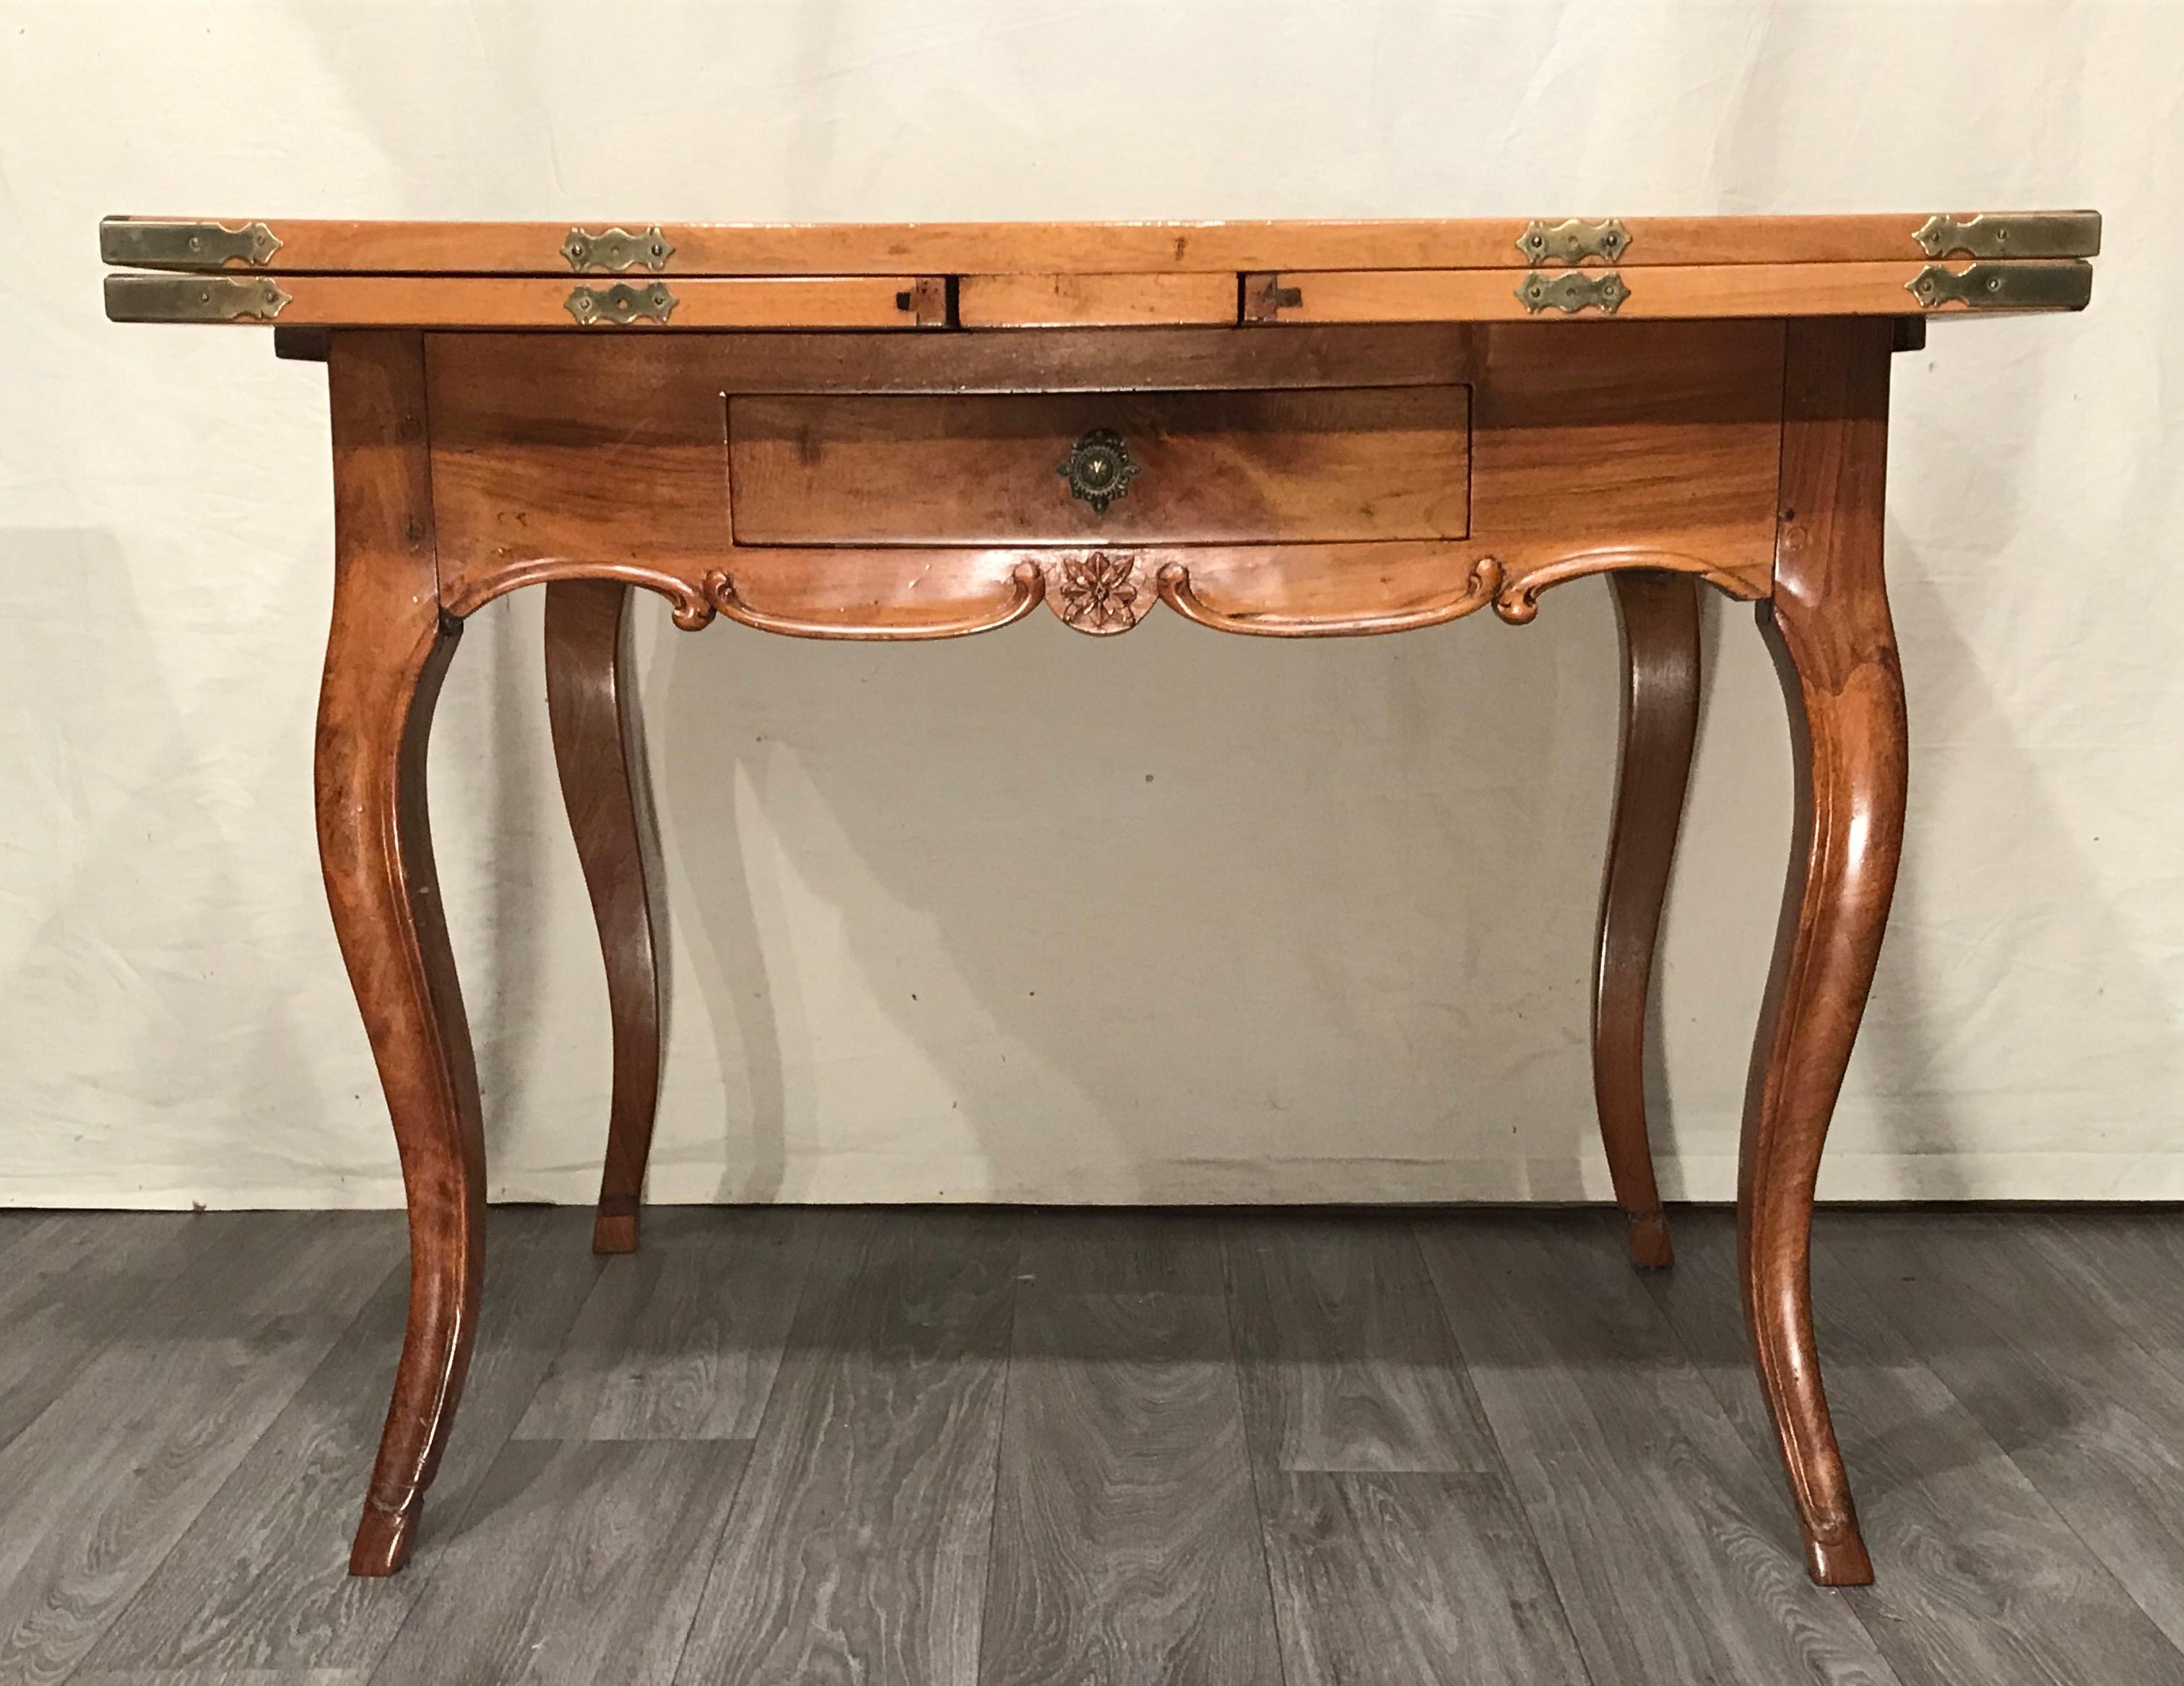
936 275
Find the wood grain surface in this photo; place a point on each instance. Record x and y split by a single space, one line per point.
386 649
1235 467
592 709
857 1547
1125 1536
2008 1382
1346 1361
1389 1580
2078 1384
1079 300
682 1344
101 1487
1657 615
1980 1578
261 1580
397 301
1092 248
582 1563
1695 294
1641 1494
1828 625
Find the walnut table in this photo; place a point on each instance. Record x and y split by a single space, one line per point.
923 430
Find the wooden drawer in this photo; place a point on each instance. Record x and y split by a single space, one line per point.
1312 467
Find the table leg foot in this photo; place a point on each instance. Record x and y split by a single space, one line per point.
615 1229
1649 1241
1658 613
592 707
1840 1560
382 1537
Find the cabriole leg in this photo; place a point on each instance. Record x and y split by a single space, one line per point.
1829 630
589 699
1659 615
386 652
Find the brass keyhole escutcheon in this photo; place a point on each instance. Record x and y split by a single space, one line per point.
1099 469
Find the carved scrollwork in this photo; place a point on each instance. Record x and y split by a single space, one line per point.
1028 587
1098 592
690 606
1480 588
1519 602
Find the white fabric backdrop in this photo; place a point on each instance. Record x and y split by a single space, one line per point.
1169 918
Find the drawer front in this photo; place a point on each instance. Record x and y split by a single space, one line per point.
1323 466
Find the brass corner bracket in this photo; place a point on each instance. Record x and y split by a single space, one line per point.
191 297
2004 286
184 245
2054 234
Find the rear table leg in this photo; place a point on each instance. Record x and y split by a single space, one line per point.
1658 614
589 698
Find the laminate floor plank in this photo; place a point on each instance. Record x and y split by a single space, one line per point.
1978 1578
261 1580
2127 1265
175 1507
1667 1540
1346 1358
1393 1580
2081 1405
72 1286
98 1490
857 1548
681 1340
1126 1538
223 1677
1125 1251
581 1562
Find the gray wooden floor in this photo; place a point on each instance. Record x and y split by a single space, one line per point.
1099 1449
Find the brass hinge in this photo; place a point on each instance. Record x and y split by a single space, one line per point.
2005 287
620 303
617 249
1573 241
184 245
191 297
2054 234
1570 294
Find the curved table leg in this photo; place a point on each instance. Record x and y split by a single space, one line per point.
1829 627
1658 614
589 701
386 652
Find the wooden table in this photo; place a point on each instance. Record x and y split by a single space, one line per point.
925 430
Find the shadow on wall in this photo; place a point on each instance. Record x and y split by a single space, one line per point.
140 1013
1280 919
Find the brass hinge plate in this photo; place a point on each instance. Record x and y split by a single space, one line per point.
191 297
620 303
1573 241
2057 234
184 245
1570 294
617 249
2005 287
